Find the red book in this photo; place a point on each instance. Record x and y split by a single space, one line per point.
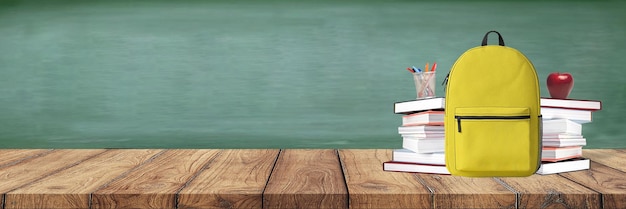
430 117
554 154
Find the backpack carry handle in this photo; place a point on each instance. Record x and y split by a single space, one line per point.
500 41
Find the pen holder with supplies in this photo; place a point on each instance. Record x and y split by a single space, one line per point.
425 84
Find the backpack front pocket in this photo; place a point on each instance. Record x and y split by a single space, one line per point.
492 139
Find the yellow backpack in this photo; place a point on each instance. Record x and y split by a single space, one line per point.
492 113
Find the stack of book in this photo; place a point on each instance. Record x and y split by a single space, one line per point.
562 134
422 134
423 143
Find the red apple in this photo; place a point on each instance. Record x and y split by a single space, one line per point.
560 84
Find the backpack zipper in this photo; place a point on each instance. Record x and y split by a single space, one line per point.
445 82
458 118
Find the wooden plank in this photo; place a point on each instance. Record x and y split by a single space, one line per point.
10 156
609 157
371 187
71 188
463 192
611 183
31 169
306 179
552 191
154 184
235 179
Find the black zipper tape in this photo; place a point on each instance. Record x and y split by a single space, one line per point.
473 117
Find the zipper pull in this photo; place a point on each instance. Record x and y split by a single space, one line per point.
458 121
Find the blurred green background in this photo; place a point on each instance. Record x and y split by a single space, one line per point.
275 74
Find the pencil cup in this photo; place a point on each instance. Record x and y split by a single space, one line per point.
424 84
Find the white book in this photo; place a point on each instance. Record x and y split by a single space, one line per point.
564 142
558 126
408 156
560 136
414 168
418 105
578 116
425 129
430 135
423 145
575 164
427 137
571 103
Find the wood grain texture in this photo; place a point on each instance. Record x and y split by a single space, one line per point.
71 188
371 187
306 179
463 192
155 183
609 157
552 191
611 183
10 156
32 169
235 179
128 178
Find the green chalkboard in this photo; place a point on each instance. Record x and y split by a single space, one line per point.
274 74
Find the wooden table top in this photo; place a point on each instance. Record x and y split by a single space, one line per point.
290 178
